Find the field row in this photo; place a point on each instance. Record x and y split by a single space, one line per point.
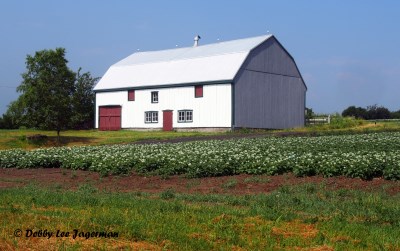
364 156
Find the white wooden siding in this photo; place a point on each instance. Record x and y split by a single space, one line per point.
211 110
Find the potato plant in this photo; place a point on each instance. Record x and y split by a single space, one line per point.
360 156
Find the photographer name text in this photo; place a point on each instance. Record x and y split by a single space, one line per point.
30 233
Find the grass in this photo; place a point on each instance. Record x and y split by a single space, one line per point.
292 218
229 184
257 180
349 125
10 139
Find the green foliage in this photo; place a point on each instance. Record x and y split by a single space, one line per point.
14 116
396 115
371 112
339 122
357 112
363 156
52 96
309 113
46 90
83 101
167 194
378 112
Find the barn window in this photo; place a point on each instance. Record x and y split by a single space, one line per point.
151 117
185 116
131 95
154 97
198 91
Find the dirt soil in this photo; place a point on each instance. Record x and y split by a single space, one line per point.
238 135
236 185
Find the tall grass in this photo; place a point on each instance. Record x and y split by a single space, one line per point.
307 216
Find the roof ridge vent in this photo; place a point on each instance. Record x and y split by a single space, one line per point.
196 40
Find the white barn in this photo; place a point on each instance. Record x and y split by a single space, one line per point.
245 83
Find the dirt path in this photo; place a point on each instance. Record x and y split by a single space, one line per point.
237 185
225 137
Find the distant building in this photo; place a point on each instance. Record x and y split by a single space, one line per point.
245 83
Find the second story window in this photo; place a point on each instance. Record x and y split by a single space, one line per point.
198 91
131 95
154 97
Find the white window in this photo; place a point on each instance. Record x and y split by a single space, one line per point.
151 117
154 97
185 116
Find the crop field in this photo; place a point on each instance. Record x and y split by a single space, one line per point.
333 192
358 156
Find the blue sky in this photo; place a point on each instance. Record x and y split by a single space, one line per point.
347 51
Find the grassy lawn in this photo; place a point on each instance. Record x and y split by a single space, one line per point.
10 139
17 138
301 217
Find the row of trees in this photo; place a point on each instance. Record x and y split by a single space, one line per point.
53 97
371 112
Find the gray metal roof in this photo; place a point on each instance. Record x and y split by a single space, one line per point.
204 63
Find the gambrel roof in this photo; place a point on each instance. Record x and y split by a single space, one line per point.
217 62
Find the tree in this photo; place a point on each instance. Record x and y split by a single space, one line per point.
357 112
395 115
372 112
309 113
83 101
378 112
47 89
14 116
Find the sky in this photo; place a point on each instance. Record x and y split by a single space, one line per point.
348 52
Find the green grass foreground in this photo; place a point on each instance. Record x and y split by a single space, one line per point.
291 218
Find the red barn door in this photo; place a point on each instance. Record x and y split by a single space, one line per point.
167 120
109 118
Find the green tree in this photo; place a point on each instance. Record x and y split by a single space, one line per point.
83 101
47 89
357 112
396 115
309 113
378 112
14 116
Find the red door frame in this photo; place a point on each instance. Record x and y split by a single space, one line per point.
167 120
109 118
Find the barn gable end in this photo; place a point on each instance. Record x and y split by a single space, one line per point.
268 90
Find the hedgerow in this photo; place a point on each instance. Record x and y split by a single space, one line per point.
360 156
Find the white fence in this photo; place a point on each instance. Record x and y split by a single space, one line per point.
319 120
